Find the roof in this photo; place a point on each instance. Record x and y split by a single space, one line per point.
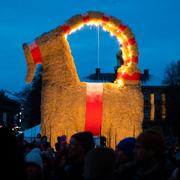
105 77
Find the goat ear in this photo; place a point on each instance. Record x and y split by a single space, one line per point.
30 64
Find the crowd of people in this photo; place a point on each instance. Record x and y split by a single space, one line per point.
146 157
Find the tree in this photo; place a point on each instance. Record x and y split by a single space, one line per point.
172 80
35 97
30 98
172 74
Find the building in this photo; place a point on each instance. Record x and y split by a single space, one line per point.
98 76
155 102
9 111
155 98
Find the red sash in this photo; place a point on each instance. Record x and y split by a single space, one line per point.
94 108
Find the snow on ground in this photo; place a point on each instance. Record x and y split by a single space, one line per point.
32 132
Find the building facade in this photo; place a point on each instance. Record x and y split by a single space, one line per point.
9 111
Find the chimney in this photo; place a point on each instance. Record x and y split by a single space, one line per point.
98 71
146 74
119 58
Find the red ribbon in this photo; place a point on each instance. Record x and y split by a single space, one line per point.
122 27
85 18
94 108
36 53
134 59
132 41
66 28
135 76
105 19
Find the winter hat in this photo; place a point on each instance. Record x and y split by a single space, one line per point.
63 139
127 146
85 139
152 141
99 163
34 156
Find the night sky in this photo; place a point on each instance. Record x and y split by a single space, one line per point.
155 23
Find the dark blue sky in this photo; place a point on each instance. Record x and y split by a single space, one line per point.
155 23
